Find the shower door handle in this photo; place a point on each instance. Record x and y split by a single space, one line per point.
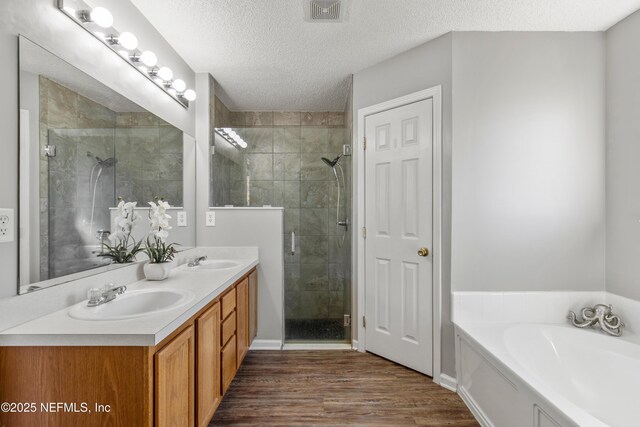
293 243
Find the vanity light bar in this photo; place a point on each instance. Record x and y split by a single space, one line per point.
98 21
232 137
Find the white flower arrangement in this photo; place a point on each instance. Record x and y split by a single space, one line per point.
123 247
156 248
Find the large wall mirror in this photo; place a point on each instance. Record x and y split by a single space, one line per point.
82 147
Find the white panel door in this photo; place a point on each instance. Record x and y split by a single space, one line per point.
398 221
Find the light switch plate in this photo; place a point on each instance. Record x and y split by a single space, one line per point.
182 219
211 219
7 225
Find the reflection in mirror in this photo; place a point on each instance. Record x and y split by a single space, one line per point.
82 146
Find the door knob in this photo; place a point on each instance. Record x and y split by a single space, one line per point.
423 252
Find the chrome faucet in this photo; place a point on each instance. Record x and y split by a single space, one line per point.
99 296
599 314
195 261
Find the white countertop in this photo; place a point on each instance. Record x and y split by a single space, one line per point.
59 329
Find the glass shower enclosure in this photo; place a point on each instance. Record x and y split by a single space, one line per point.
303 169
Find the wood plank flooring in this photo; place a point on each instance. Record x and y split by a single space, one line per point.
302 388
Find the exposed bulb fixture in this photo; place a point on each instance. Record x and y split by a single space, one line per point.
125 45
127 40
148 58
101 17
165 73
189 95
232 137
179 85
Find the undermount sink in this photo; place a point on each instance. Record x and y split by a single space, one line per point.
211 264
132 304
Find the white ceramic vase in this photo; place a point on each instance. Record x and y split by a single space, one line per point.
157 271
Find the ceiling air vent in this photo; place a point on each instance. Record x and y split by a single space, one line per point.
325 10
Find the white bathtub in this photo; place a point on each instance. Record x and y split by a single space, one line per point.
518 375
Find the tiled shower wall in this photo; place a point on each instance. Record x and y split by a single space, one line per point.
64 109
150 160
282 166
149 163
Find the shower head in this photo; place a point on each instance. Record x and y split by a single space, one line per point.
331 163
107 163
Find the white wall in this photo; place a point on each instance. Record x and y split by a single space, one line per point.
420 68
528 161
44 24
623 158
264 228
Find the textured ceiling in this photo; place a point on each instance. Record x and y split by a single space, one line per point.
266 57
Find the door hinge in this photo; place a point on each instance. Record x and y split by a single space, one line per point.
364 321
364 143
364 232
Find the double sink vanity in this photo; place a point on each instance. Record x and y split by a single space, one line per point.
159 354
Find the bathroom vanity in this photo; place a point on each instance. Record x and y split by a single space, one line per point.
169 369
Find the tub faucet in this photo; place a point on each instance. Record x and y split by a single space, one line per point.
195 261
599 314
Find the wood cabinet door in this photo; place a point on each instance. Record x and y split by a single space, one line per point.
174 381
207 364
253 305
228 360
242 319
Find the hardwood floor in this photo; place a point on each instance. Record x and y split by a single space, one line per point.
295 388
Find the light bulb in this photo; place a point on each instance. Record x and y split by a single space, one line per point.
226 130
102 17
190 95
128 40
148 58
179 85
242 144
165 73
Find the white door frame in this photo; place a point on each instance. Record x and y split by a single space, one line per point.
434 93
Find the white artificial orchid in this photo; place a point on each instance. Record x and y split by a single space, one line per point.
124 221
156 248
159 219
123 247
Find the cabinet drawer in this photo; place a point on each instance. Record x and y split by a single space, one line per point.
228 303
228 328
228 356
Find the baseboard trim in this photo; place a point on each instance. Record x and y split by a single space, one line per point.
316 346
354 345
475 409
266 345
448 382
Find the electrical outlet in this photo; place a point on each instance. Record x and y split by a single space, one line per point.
182 219
211 219
6 225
